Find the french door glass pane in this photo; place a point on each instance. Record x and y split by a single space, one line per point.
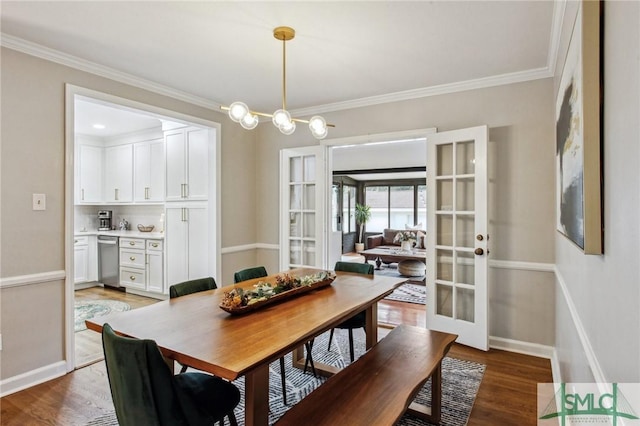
465 158
444 160
295 226
295 172
464 304
309 225
309 197
444 265
465 225
309 168
309 252
444 237
295 197
295 255
465 194
465 269
444 300
444 193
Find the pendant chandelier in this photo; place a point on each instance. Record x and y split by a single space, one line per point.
248 119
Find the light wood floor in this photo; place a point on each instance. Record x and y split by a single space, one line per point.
88 346
507 394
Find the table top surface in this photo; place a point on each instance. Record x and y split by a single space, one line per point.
397 253
194 330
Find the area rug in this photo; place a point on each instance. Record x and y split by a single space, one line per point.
460 383
411 293
96 308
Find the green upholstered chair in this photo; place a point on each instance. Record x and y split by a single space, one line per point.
259 272
189 287
359 320
145 391
249 274
192 286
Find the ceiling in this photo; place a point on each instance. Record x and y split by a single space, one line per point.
344 54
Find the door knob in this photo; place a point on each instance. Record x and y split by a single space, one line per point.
479 251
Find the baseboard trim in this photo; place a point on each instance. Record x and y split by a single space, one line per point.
31 378
21 280
247 247
523 266
518 346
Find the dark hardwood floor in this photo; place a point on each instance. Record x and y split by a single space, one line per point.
507 394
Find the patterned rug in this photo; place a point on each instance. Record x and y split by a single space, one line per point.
460 383
411 293
96 308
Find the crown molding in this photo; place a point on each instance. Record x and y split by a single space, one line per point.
559 9
443 89
39 51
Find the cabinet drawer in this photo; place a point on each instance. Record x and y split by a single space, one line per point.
81 241
132 243
154 245
132 278
132 258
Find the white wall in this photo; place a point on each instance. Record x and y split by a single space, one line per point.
598 327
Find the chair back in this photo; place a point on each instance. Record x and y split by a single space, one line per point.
192 286
249 274
358 268
141 382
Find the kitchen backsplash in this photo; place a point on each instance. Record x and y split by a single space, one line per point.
86 217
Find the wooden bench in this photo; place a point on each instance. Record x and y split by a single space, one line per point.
380 386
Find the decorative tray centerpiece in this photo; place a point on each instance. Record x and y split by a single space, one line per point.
240 301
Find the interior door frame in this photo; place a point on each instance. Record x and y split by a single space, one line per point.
398 136
215 194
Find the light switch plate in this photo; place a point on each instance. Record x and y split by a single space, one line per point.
39 201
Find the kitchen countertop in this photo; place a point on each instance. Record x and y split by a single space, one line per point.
124 234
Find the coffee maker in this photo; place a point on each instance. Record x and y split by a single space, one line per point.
104 220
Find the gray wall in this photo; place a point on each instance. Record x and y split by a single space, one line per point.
33 161
598 327
522 149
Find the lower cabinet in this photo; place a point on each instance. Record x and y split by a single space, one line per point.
81 259
141 264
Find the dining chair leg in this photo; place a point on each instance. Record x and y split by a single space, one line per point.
232 419
309 358
330 339
183 369
283 381
351 343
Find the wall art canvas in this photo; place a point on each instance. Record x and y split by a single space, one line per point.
578 135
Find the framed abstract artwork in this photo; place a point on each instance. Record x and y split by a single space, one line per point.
579 136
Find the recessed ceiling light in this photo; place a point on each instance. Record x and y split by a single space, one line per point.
99 126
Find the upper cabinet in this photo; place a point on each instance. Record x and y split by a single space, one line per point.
89 179
187 164
148 171
118 163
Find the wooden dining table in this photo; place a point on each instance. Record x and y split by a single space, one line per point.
195 331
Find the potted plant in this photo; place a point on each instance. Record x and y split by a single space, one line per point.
363 214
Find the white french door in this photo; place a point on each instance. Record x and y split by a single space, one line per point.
303 206
457 296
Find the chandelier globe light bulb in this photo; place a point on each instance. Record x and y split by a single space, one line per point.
249 121
287 128
237 111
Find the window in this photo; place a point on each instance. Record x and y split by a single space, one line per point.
394 206
348 209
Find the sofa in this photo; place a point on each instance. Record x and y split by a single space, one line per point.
388 239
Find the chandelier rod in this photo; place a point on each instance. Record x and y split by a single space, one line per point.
284 73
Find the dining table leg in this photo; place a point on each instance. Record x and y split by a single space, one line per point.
256 397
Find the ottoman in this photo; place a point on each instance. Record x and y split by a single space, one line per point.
411 268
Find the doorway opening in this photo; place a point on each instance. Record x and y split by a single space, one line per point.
117 192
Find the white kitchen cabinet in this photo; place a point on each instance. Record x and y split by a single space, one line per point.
187 164
81 260
148 171
187 245
155 273
118 164
89 185
141 264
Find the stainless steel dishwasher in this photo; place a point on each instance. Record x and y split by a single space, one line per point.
108 261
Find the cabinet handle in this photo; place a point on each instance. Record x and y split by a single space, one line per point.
132 278
146 193
75 241
132 243
116 193
132 258
154 245
82 196
186 190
